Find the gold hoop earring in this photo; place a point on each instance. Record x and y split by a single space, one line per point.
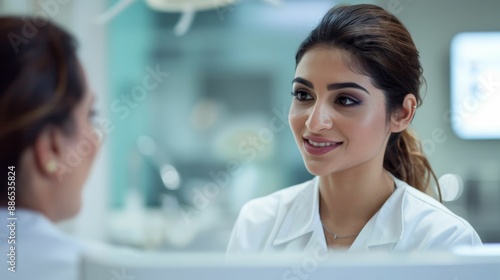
51 166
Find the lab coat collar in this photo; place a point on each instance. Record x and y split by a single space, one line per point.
382 231
303 215
385 229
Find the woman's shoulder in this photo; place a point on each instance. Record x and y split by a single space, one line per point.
43 251
423 204
260 219
270 206
426 217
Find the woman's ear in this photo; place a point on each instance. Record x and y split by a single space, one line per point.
48 150
402 118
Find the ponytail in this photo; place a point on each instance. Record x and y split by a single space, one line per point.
405 159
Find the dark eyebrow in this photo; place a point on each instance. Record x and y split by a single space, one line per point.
345 85
303 81
330 86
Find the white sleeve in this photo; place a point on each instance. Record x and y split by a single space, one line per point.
240 240
234 246
468 238
253 229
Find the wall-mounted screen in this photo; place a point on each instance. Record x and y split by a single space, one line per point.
475 85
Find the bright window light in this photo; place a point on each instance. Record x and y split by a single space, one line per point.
475 85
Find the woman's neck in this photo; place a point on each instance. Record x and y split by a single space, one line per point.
348 199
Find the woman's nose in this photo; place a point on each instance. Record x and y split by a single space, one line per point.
319 118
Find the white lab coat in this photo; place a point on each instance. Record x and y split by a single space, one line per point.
288 221
43 251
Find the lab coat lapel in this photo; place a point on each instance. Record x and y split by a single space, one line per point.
300 224
317 242
384 230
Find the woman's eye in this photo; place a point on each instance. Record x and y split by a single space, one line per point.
302 96
347 101
93 116
92 113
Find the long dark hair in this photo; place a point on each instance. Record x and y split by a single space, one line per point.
382 48
40 85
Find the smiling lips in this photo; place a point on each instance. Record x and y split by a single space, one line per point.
319 146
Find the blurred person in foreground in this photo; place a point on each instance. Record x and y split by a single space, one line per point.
48 144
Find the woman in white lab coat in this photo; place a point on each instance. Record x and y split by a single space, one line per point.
355 93
48 144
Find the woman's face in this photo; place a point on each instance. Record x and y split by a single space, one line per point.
337 116
80 151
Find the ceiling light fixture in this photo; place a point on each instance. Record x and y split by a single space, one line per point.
188 8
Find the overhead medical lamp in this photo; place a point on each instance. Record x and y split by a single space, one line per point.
188 8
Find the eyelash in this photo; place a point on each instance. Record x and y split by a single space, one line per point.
296 94
93 115
354 101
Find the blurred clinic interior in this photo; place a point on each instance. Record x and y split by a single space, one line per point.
193 105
